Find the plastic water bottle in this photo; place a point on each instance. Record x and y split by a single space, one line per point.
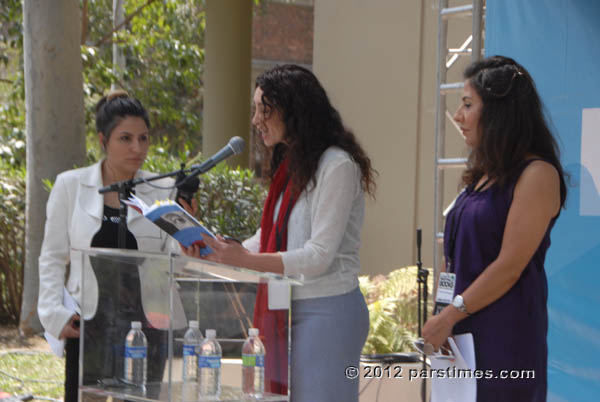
136 351
253 365
191 342
209 366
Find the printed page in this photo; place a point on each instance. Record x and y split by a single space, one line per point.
453 380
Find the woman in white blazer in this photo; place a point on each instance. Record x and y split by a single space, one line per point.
79 217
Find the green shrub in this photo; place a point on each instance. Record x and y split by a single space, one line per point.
12 239
230 201
392 303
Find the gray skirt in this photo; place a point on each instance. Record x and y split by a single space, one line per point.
328 334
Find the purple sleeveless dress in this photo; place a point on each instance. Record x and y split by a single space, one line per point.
510 333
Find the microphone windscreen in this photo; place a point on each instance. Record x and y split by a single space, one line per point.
237 144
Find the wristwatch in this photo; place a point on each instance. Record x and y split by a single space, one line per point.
459 303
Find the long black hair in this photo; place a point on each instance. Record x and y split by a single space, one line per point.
512 123
312 125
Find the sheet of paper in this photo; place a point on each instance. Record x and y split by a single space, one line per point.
58 345
279 295
451 381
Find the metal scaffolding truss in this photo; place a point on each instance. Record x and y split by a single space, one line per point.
446 57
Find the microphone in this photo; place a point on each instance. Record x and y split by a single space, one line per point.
189 185
233 147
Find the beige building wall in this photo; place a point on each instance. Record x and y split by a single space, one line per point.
377 60
227 71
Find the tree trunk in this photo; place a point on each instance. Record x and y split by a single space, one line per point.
118 56
55 122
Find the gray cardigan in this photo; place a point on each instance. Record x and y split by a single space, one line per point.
324 230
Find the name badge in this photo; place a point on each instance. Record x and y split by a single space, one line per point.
445 291
279 295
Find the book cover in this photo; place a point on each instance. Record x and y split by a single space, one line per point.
173 219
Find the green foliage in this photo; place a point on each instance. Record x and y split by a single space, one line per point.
12 239
11 13
12 93
164 49
163 43
392 303
12 113
230 201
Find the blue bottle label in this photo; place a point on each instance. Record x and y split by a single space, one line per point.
136 352
189 350
260 361
209 361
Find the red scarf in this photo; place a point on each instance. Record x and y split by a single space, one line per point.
272 324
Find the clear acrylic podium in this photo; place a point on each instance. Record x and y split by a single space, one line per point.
165 292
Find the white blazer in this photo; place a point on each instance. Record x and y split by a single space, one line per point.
73 216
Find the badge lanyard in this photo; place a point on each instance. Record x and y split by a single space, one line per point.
455 224
447 280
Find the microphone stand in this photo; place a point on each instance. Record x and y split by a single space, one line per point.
233 147
124 189
422 276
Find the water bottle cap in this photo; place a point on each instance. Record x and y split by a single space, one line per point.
211 333
253 332
136 325
194 324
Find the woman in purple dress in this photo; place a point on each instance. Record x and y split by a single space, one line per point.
498 232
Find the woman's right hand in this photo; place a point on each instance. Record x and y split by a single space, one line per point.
71 328
190 209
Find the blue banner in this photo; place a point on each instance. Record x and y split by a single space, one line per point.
558 42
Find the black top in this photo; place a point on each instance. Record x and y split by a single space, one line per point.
108 235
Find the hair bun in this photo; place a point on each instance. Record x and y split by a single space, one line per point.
118 93
114 107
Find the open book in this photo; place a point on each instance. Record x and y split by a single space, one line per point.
173 219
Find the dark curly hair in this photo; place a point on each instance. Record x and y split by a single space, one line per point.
312 125
512 123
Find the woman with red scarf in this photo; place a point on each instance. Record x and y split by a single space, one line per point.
311 227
